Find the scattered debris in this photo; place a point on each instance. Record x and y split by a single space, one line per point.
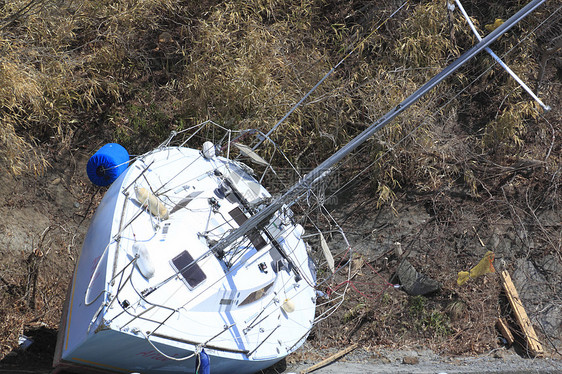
485 266
503 327
534 347
24 342
415 283
398 249
329 359
410 360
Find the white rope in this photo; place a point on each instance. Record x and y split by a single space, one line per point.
196 350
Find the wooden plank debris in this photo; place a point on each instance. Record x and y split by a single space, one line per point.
330 359
534 347
503 327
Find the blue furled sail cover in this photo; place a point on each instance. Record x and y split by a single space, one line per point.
107 164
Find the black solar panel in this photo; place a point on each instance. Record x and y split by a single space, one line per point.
189 270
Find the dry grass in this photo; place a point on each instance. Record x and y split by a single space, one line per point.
77 72
32 284
133 71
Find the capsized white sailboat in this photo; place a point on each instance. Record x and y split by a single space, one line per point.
149 293
190 261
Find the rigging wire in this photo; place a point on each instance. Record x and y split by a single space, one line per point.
347 283
410 134
327 75
401 140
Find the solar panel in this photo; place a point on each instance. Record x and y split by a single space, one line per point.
190 270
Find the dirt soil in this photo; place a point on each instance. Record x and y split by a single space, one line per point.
45 219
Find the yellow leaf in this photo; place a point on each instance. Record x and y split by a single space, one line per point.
492 26
485 266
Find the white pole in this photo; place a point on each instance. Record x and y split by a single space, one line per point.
499 61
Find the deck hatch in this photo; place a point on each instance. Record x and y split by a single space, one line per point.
190 271
256 295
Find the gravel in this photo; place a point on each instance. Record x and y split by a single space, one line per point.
421 361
